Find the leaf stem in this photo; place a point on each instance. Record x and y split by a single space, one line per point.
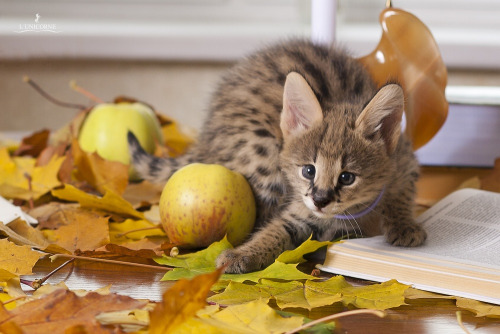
119 235
85 258
378 313
36 284
460 323
50 98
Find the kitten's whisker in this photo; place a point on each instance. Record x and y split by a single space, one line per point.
357 225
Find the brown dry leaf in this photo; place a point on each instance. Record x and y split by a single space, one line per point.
181 302
17 260
110 202
46 155
51 215
33 144
14 237
145 248
27 231
99 173
83 229
28 236
63 310
143 193
22 233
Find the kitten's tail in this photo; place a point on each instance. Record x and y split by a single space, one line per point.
151 168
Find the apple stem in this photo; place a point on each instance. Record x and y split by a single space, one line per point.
36 284
85 258
46 95
84 92
119 235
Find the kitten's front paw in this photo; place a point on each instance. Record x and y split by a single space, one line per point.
238 262
407 235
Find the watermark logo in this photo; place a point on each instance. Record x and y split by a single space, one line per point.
37 26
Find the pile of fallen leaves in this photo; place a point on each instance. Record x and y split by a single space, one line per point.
86 207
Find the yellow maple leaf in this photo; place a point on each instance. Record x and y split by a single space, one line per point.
16 260
308 294
479 308
110 202
253 317
14 173
117 229
377 296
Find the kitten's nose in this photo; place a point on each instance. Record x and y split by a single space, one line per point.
321 201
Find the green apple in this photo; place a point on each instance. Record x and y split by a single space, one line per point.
201 203
105 130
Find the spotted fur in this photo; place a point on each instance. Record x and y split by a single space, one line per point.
294 105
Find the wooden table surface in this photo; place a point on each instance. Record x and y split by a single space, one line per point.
422 316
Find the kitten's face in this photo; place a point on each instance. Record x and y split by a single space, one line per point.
338 159
334 168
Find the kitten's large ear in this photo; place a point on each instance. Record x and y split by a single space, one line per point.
383 114
301 108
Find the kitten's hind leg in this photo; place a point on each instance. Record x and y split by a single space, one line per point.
149 167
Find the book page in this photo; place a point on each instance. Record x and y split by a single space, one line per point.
465 226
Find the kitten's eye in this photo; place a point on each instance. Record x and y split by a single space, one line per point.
309 171
346 178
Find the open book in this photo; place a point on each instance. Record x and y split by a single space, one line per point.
460 257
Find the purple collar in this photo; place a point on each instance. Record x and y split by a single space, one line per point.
363 212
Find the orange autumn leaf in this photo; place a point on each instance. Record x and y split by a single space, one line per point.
181 302
62 311
82 229
99 173
408 53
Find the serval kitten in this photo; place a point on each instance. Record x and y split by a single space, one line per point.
321 147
